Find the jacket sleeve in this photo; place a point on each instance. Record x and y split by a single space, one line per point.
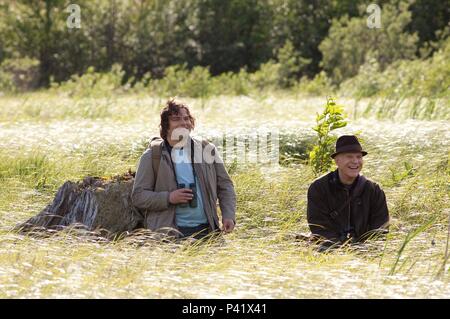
225 190
143 195
379 215
319 221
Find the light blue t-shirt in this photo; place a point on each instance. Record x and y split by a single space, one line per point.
187 216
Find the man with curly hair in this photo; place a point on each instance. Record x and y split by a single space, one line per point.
180 178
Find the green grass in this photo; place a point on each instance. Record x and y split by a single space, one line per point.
63 138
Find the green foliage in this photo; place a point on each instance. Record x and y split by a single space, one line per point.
428 17
93 84
331 119
212 47
398 175
291 65
350 43
34 169
366 83
408 238
197 83
294 147
267 77
231 35
423 78
148 36
305 24
406 88
319 86
178 80
230 83
19 74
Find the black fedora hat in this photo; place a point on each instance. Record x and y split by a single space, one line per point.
348 144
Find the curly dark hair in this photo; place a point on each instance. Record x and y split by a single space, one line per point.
172 107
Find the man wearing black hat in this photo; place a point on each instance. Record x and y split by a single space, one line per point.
343 205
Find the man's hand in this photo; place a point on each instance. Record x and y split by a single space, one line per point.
181 196
228 225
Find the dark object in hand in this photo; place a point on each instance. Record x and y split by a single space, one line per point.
193 202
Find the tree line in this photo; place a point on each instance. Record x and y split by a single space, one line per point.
147 36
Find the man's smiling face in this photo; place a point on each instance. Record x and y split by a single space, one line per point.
349 164
180 120
180 126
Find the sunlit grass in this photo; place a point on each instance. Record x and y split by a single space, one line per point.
43 146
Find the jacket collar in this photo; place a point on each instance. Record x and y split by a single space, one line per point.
195 145
337 181
167 147
356 188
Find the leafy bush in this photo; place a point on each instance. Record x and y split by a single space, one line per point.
197 83
173 76
331 119
93 84
232 83
291 65
403 78
319 86
180 81
350 43
280 74
366 83
18 75
267 77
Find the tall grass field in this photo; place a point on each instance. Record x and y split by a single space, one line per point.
47 138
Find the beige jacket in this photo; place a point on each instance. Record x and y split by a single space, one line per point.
152 197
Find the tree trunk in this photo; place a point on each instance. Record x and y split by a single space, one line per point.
95 203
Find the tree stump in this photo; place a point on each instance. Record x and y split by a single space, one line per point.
95 204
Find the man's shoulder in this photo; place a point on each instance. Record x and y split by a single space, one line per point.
154 146
321 181
323 178
147 154
155 141
373 186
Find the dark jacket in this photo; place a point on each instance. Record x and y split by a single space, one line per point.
333 215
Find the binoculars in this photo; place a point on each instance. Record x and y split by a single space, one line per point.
193 202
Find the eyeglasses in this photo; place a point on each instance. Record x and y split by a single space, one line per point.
176 118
